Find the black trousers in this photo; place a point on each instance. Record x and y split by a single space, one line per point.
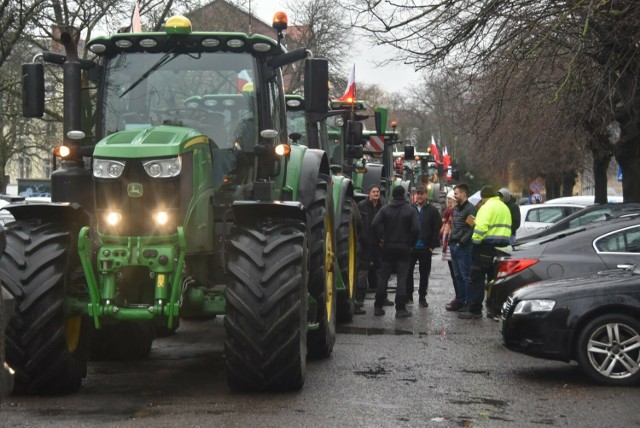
423 257
398 260
482 272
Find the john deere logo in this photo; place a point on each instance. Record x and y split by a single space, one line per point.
134 190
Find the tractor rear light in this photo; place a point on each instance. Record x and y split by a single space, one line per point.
62 151
508 267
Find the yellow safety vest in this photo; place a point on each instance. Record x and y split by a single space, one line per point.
492 224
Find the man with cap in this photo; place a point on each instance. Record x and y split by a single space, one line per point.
427 241
395 228
369 251
492 228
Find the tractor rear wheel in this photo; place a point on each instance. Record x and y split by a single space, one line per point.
266 319
46 347
322 284
346 239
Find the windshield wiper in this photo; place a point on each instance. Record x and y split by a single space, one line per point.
166 58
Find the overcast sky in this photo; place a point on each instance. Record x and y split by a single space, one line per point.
391 78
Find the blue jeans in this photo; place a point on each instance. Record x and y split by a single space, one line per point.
461 261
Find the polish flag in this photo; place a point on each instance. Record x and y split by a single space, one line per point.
434 150
446 159
136 24
350 94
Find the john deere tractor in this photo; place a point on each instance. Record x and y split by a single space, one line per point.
176 194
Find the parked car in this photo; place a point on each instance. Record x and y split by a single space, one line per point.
589 214
594 320
538 216
589 248
583 200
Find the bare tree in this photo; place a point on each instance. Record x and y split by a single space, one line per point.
597 36
321 27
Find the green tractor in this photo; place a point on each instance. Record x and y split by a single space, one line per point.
312 130
176 194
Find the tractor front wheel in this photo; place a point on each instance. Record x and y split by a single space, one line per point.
46 346
266 319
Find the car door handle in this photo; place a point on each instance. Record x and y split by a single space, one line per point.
626 266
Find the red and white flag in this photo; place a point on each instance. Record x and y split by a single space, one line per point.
350 94
446 159
136 24
434 150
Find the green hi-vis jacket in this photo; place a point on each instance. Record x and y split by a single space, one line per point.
492 224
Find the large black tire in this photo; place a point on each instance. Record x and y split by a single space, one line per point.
123 341
346 239
322 284
608 349
46 347
266 316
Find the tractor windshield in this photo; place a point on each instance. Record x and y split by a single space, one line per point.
211 92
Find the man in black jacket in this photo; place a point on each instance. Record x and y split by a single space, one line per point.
428 239
460 244
395 228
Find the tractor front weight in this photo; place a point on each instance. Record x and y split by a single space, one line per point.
163 256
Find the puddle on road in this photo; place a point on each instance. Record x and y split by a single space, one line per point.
374 331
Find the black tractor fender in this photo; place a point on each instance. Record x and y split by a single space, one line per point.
314 163
346 190
373 176
58 212
247 212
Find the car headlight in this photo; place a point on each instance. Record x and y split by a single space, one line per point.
530 306
163 168
107 168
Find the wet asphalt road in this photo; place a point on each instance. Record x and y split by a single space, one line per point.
432 369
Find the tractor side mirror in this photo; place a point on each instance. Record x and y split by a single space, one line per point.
33 90
353 133
409 152
316 85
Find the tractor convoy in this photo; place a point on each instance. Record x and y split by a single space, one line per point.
178 194
187 186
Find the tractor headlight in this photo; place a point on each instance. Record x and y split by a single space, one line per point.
107 168
163 168
113 218
161 218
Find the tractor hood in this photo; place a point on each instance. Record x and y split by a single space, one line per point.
149 142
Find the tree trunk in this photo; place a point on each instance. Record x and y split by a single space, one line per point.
568 181
600 166
627 152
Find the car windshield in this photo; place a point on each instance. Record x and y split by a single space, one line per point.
211 92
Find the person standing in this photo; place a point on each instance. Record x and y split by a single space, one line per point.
369 251
445 232
492 229
460 244
395 228
514 209
428 240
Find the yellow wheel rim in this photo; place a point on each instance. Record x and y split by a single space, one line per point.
352 260
328 266
72 328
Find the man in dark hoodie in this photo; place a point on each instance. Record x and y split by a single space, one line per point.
427 241
395 228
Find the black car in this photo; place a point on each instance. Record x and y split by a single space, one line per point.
594 320
591 248
590 214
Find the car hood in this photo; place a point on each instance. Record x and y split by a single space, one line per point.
591 284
